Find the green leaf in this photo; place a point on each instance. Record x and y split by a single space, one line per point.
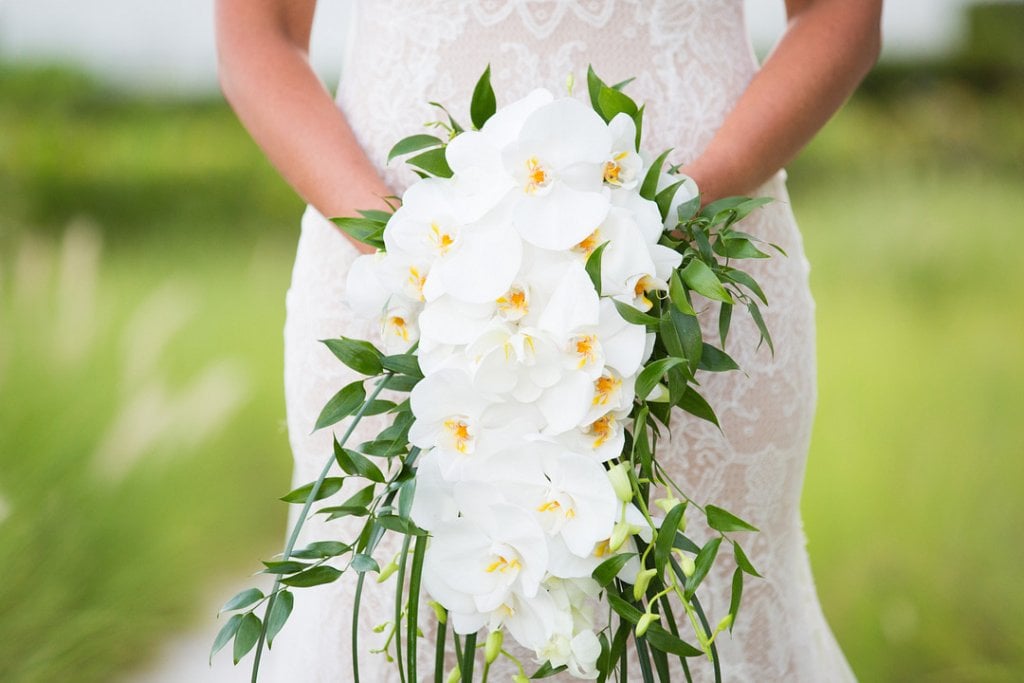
606 572
624 609
383 448
284 567
666 536
483 105
451 120
689 208
329 487
652 374
638 122
249 630
737 247
342 404
725 521
403 364
702 564
432 161
594 85
357 464
242 599
666 642
742 278
742 561
633 316
378 406
279 613
701 279
319 549
401 383
362 230
406 494
404 526
686 329
677 293
364 563
614 102
361 356
593 267
735 596
413 143
377 215
755 313
724 320
314 576
664 198
713 359
696 405
546 670
649 188
226 633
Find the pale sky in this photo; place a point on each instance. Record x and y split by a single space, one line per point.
166 45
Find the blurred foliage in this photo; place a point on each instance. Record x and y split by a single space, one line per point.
144 255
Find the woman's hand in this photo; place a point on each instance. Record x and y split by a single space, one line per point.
263 48
827 49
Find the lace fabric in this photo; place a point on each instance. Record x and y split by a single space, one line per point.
691 60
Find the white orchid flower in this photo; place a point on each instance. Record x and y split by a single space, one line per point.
475 562
434 501
448 411
684 193
600 440
399 328
365 294
518 361
611 393
624 167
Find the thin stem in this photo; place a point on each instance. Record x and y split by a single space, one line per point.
442 633
294 537
355 626
398 608
412 617
469 657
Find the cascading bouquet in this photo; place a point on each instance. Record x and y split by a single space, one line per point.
535 298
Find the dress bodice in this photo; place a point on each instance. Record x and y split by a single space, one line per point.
691 60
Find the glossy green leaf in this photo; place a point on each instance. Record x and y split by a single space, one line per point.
606 572
243 599
284 601
713 359
664 198
483 104
377 215
284 567
546 670
319 549
677 293
593 266
742 278
737 247
755 313
383 448
735 595
696 405
594 85
614 102
342 404
666 536
658 637
649 187
742 561
364 563
624 609
433 161
403 364
404 526
725 521
357 464
724 320
362 230
652 374
329 487
225 634
701 279
361 356
414 143
702 564
249 630
634 316
314 576
401 383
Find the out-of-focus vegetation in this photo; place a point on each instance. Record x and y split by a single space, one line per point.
144 255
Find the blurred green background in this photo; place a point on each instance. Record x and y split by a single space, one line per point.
145 248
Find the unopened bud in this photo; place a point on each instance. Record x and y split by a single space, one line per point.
385 573
659 394
643 580
493 647
687 565
570 81
520 678
440 612
645 622
667 503
619 478
725 623
454 676
619 535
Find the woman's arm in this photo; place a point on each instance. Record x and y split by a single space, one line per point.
265 74
827 49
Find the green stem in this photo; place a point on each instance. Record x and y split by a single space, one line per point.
355 626
418 554
398 607
442 632
294 537
469 657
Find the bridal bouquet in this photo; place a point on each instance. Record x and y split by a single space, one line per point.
536 294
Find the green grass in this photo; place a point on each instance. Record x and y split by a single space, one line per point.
910 212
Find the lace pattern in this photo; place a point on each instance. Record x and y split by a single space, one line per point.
691 60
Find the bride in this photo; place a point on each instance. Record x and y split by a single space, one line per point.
731 125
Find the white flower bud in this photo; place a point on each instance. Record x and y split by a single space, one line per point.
619 478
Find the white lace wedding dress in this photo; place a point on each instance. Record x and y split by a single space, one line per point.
691 60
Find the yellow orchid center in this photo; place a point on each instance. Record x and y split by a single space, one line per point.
553 506
644 285
441 239
612 169
502 564
586 349
398 326
416 281
604 387
459 432
603 548
602 428
514 304
589 243
537 176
